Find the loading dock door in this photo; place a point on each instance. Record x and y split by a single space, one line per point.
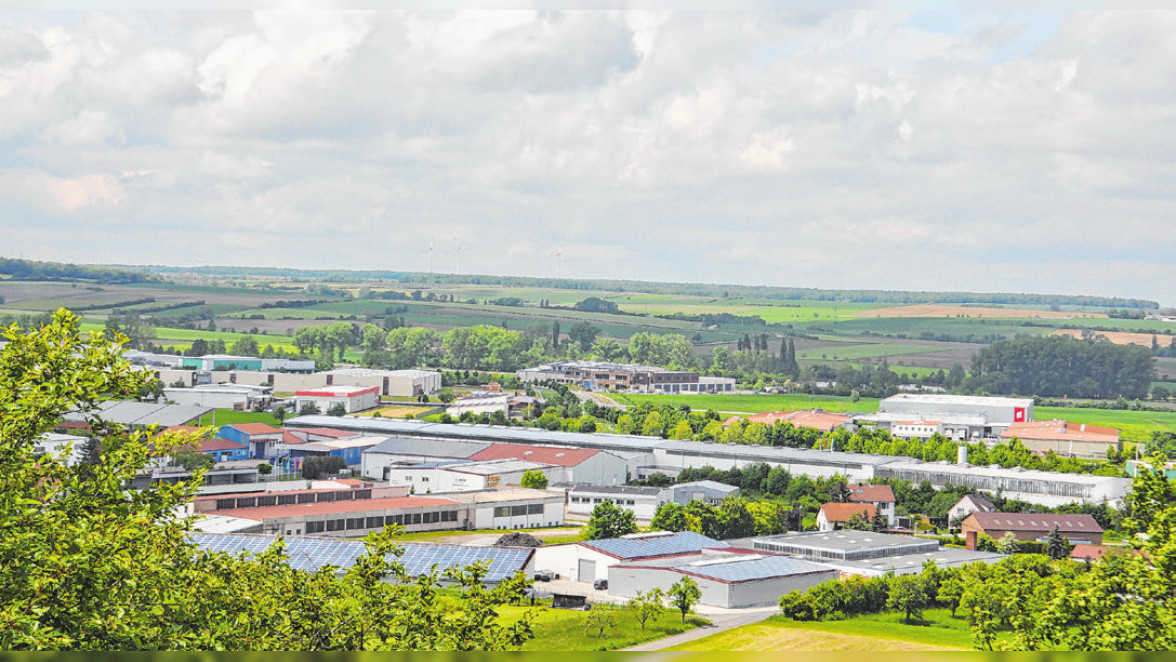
587 571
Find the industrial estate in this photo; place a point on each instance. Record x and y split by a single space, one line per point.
610 471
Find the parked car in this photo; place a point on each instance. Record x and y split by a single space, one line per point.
600 584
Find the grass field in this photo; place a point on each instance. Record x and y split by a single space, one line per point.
873 632
397 412
755 403
1134 426
230 417
563 629
937 310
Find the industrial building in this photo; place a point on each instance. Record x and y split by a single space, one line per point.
1064 439
953 416
643 501
626 377
865 552
68 448
242 397
261 439
396 383
352 398
725 579
510 404
466 475
135 415
518 508
590 560
1082 529
349 449
654 454
228 362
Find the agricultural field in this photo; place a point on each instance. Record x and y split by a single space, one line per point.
864 351
930 310
1123 337
1133 426
937 630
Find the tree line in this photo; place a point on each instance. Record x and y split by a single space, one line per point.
1063 366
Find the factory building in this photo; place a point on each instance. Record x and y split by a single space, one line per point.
353 398
242 397
210 362
466 475
590 560
725 579
626 377
953 416
865 553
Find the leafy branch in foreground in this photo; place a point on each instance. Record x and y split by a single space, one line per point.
90 564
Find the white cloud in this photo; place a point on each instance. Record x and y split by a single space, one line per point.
862 149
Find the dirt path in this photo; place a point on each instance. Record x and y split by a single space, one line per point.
719 623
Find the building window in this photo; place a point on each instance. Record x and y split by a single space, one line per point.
515 511
535 509
287 499
502 511
416 518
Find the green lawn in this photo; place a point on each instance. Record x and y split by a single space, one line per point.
563 629
230 417
937 628
755 403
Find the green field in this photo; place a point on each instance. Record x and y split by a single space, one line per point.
872 632
1134 426
744 404
563 629
231 417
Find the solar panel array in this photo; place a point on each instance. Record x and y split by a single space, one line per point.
636 548
310 554
766 567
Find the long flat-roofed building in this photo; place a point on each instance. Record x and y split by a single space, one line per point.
953 416
865 552
626 377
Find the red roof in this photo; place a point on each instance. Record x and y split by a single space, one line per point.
1061 431
218 444
817 420
340 507
841 512
563 457
871 494
1096 552
291 438
1035 522
255 428
324 432
246 495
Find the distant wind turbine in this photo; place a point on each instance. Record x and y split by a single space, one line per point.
558 253
429 250
457 252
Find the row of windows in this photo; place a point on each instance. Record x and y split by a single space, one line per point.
515 511
619 502
291 499
377 521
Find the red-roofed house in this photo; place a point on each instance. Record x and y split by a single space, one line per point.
881 496
833 516
1065 439
816 420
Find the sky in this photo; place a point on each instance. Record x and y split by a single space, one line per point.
1028 151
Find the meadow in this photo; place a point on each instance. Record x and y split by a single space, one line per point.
864 351
937 630
564 629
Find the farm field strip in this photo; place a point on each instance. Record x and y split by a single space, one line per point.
944 310
864 351
1135 426
1124 337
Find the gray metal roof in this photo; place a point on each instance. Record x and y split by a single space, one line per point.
708 484
311 554
132 412
909 564
587 488
407 428
733 568
428 447
648 545
773 454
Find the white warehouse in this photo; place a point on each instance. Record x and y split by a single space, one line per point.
353 398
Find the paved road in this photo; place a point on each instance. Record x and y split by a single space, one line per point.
729 619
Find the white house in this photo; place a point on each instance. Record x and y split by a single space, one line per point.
880 496
643 501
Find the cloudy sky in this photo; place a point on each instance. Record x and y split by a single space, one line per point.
1031 151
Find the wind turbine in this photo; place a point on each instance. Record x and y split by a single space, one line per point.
558 253
457 252
429 250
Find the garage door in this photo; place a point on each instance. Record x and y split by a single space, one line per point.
586 571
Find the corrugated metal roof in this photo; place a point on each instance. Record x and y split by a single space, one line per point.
429 447
655 544
130 412
741 568
310 554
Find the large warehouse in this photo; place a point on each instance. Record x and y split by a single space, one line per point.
727 580
353 398
953 416
590 560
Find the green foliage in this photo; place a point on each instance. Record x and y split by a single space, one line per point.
90 565
192 459
320 466
1064 366
534 479
648 606
337 409
610 521
600 620
907 595
684 594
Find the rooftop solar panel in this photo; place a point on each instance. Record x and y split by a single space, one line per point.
657 545
310 554
764 567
